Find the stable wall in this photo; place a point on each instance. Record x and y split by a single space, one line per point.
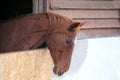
102 16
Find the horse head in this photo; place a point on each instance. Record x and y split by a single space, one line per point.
60 42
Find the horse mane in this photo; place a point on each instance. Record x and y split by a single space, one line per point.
58 21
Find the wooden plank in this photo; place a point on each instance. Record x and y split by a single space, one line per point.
26 65
78 4
98 33
100 23
35 6
89 13
40 5
46 5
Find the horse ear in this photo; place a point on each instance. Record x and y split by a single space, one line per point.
76 26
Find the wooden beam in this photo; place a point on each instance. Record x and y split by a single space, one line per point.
35 6
26 65
87 14
100 23
78 4
98 33
46 5
40 5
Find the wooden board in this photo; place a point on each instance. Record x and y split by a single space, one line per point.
100 23
102 16
26 65
78 4
35 6
89 13
98 33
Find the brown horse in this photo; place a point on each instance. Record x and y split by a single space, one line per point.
32 30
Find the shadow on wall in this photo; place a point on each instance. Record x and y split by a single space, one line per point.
79 55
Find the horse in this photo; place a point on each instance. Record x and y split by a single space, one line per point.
48 29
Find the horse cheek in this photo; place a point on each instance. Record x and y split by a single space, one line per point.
67 56
60 51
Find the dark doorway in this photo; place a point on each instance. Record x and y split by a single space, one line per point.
13 8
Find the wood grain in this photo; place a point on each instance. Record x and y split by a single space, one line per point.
78 4
26 65
98 33
100 23
89 13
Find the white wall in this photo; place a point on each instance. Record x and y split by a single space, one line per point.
99 61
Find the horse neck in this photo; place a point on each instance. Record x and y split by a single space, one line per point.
36 26
42 29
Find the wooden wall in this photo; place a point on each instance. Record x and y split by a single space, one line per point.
102 16
26 65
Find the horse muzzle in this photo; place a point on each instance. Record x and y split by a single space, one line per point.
57 71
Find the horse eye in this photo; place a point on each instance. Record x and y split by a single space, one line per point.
68 42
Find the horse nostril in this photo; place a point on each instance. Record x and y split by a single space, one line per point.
62 73
56 70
